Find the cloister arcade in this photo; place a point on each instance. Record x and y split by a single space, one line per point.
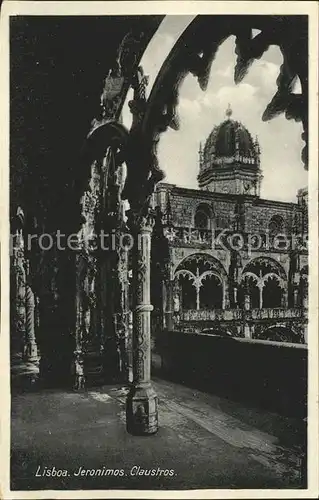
201 282
64 312
264 281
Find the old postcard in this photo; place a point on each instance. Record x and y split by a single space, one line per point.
159 250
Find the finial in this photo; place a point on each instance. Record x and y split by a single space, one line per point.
229 111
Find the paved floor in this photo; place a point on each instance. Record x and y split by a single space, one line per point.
203 442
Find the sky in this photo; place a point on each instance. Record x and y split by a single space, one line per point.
280 139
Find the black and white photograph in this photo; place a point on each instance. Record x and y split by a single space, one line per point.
159 260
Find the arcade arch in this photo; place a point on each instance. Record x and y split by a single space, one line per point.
264 282
200 282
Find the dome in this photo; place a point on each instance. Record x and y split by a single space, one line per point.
229 143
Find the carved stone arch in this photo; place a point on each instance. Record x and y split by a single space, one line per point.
194 53
206 274
274 276
248 274
279 268
202 255
185 273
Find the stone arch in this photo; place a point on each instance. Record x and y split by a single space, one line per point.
263 261
194 53
202 279
264 281
215 263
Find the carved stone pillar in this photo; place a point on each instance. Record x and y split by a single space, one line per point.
247 302
284 299
18 284
226 301
260 288
30 346
141 404
20 305
77 368
235 291
169 306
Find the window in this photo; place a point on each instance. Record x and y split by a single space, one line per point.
276 225
201 220
202 217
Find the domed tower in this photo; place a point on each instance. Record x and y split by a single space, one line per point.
230 160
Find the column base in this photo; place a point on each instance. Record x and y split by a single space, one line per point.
31 352
141 410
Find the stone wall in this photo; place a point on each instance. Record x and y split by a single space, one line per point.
251 371
258 212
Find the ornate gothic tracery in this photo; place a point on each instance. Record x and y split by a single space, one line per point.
201 283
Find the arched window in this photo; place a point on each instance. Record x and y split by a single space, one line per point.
200 281
276 225
264 281
202 219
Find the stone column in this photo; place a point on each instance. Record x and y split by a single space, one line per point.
246 312
226 301
20 305
77 369
284 300
169 306
18 286
198 285
247 301
235 290
30 346
141 403
260 287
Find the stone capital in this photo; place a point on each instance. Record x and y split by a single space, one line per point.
142 222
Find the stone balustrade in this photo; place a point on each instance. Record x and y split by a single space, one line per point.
276 313
237 314
211 315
